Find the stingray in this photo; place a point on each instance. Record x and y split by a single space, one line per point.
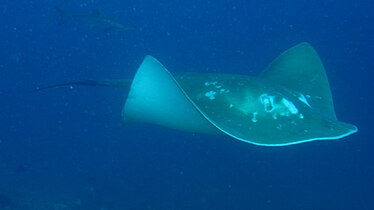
289 103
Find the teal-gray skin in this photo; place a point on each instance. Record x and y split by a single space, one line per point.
289 103
258 112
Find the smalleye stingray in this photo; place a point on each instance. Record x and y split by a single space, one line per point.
289 103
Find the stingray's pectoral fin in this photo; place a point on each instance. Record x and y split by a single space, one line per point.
300 71
155 97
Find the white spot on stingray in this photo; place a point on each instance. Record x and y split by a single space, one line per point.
231 105
217 85
278 106
268 102
290 106
275 116
301 116
211 94
254 117
285 114
302 98
211 83
222 90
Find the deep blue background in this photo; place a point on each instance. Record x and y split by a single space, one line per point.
70 147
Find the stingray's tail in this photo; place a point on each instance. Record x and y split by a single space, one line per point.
103 83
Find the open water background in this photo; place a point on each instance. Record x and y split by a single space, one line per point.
69 148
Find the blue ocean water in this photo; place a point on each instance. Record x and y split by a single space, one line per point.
69 148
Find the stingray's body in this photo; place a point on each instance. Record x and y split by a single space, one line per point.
289 103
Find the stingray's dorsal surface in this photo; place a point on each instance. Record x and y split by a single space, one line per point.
289 103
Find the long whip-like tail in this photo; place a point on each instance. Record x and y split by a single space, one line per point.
103 83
